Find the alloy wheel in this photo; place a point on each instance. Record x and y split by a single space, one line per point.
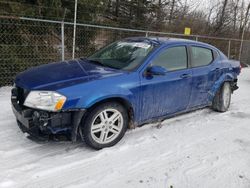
106 126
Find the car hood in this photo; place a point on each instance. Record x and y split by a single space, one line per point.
58 75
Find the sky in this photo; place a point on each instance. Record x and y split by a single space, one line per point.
202 4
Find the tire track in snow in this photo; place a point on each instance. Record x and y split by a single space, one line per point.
199 149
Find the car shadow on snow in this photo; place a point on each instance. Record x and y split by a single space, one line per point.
63 141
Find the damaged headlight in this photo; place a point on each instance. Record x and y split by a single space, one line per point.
45 100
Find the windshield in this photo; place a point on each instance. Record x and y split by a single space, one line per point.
123 55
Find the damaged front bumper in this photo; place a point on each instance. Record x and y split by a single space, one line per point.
41 124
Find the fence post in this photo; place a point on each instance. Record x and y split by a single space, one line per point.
146 34
74 31
229 49
62 40
196 38
241 42
241 46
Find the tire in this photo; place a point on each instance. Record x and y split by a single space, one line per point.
105 125
222 98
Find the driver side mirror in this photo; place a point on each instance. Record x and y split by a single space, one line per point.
156 70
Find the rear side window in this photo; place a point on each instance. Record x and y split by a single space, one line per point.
201 56
174 58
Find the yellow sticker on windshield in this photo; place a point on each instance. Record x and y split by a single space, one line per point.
135 44
141 45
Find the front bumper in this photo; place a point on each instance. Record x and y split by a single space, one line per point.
42 124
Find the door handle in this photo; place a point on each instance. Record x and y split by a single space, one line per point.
185 75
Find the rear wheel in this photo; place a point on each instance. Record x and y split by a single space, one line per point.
222 98
105 125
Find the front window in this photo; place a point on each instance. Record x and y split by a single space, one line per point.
123 55
174 58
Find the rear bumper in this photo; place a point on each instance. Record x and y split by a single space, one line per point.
42 124
234 85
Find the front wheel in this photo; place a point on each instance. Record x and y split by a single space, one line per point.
105 125
222 98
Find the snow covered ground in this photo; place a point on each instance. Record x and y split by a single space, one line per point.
198 149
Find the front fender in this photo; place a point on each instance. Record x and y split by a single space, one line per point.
90 102
228 77
83 98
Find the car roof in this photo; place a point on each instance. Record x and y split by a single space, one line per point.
166 40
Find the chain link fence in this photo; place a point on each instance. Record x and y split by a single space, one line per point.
26 42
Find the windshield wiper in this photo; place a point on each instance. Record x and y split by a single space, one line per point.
96 62
100 63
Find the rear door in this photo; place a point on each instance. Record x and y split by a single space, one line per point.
205 70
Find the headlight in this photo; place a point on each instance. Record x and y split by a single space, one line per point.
45 100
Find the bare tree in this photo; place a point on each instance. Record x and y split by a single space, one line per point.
235 4
172 6
244 20
221 17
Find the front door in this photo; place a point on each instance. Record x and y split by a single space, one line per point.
169 93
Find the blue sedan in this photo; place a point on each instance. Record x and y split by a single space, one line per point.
126 84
